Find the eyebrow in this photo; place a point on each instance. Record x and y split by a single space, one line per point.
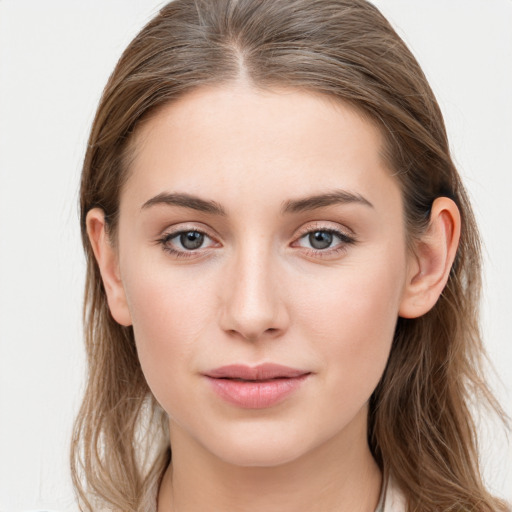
322 200
185 201
292 206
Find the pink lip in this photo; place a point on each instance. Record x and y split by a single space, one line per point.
255 387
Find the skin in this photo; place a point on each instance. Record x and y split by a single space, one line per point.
257 291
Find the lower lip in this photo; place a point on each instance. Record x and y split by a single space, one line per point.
256 395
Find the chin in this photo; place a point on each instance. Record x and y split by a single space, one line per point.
257 446
261 455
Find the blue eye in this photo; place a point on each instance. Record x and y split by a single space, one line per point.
191 240
324 239
183 242
320 239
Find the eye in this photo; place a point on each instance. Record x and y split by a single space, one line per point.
324 241
182 242
191 240
320 239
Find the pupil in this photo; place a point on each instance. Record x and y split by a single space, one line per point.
191 240
320 239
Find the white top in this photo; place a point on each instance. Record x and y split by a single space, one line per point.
391 498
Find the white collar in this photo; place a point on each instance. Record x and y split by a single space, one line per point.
391 498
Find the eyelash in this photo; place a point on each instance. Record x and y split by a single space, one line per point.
167 237
344 241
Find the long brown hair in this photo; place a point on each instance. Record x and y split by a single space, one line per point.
420 427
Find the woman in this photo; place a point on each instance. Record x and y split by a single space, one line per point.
283 272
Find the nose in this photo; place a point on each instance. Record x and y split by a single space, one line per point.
253 298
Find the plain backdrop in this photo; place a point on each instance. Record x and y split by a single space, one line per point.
55 57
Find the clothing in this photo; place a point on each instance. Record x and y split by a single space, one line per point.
391 498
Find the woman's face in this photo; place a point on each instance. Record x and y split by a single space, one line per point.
261 228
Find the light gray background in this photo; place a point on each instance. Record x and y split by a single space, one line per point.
55 57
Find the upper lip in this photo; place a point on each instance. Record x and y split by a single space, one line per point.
261 372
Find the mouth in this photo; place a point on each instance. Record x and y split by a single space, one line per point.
256 387
262 372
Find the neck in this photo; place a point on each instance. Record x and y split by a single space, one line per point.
338 476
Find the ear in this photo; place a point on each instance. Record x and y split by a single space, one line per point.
106 256
429 266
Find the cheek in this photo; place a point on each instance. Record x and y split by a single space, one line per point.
352 320
170 317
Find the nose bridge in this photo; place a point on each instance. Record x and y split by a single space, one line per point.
253 307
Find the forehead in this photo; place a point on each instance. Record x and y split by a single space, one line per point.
240 140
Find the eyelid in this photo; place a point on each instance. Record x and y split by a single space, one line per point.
333 227
183 227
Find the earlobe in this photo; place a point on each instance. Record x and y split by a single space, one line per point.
432 260
106 257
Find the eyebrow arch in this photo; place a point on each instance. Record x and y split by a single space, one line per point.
185 201
323 200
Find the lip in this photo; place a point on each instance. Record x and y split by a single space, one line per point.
256 387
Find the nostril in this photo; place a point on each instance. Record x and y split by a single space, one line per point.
271 332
